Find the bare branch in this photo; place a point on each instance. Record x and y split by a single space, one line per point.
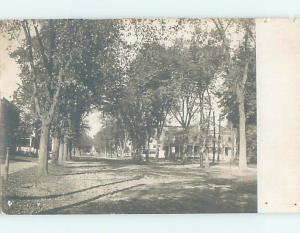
228 24
42 48
44 57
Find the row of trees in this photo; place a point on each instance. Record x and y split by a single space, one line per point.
137 72
179 72
62 65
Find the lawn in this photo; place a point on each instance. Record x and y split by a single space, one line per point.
120 186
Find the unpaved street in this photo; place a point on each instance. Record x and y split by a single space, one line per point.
120 186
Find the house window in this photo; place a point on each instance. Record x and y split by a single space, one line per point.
25 142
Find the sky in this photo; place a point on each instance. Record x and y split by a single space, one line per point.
94 123
8 70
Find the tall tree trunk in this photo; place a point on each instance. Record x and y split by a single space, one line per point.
201 158
206 152
240 91
201 133
133 151
65 155
157 144
69 150
233 147
139 154
61 153
105 150
47 116
208 131
43 148
55 149
185 146
214 137
202 148
184 153
148 149
242 134
120 149
111 149
77 152
219 139
124 144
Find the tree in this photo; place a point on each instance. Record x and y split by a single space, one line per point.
199 60
39 64
137 112
51 55
132 105
155 66
186 95
112 137
91 75
85 143
238 72
140 99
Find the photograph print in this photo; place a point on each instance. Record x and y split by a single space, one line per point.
128 116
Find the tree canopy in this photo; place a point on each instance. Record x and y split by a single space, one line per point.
140 73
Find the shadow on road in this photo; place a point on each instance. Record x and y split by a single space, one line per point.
69 193
55 210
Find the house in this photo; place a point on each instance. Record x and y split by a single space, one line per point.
27 145
176 142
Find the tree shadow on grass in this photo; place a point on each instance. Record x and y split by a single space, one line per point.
106 160
85 166
55 210
98 163
194 196
69 193
90 172
20 160
206 203
78 173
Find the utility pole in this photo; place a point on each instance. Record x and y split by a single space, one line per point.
214 138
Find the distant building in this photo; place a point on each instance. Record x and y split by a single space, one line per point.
27 145
175 141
